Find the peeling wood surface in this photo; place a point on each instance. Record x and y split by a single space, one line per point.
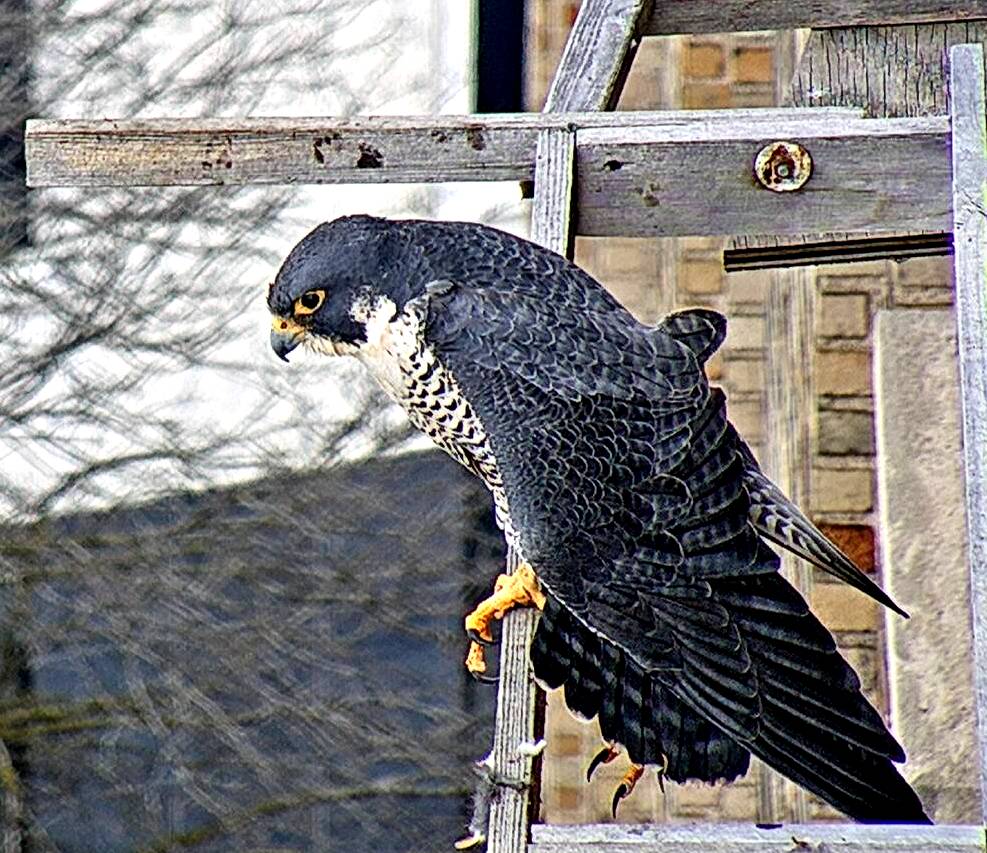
888 71
367 149
868 175
881 175
723 16
969 152
511 810
597 55
743 838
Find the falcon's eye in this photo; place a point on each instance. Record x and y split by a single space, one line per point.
310 302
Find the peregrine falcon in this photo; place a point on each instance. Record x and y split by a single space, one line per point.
642 518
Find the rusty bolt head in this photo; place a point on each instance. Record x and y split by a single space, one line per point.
782 166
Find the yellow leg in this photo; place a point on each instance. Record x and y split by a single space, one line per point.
520 589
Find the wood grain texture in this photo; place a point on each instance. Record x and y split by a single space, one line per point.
969 190
596 56
702 16
868 175
888 71
516 700
838 251
551 217
367 149
737 838
507 829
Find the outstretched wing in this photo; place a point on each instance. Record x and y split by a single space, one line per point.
627 489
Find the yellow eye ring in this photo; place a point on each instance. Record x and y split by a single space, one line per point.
309 302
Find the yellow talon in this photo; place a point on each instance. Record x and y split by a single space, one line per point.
476 661
518 590
626 785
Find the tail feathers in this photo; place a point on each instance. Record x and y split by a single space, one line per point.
814 724
634 710
806 718
776 518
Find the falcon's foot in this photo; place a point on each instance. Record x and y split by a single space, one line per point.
604 756
626 786
608 754
520 589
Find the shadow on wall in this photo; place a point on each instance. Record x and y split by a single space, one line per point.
277 665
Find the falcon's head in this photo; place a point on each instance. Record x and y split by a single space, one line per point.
341 284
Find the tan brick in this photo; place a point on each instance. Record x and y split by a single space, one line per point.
924 272
568 798
866 662
855 540
752 95
934 297
704 60
695 798
842 608
748 287
706 96
698 275
738 802
842 490
845 433
843 316
745 374
753 65
843 373
745 332
748 418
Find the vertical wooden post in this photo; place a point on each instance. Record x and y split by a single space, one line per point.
590 76
516 699
969 151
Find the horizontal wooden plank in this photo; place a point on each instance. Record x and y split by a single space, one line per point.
367 149
898 247
638 174
671 17
875 175
744 838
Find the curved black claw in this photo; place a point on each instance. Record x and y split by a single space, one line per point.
623 789
483 678
604 756
475 637
661 772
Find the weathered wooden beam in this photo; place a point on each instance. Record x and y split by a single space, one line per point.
511 808
969 185
737 838
677 175
597 55
889 71
868 175
365 149
588 78
672 17
897 247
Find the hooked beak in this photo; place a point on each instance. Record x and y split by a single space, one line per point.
286 334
